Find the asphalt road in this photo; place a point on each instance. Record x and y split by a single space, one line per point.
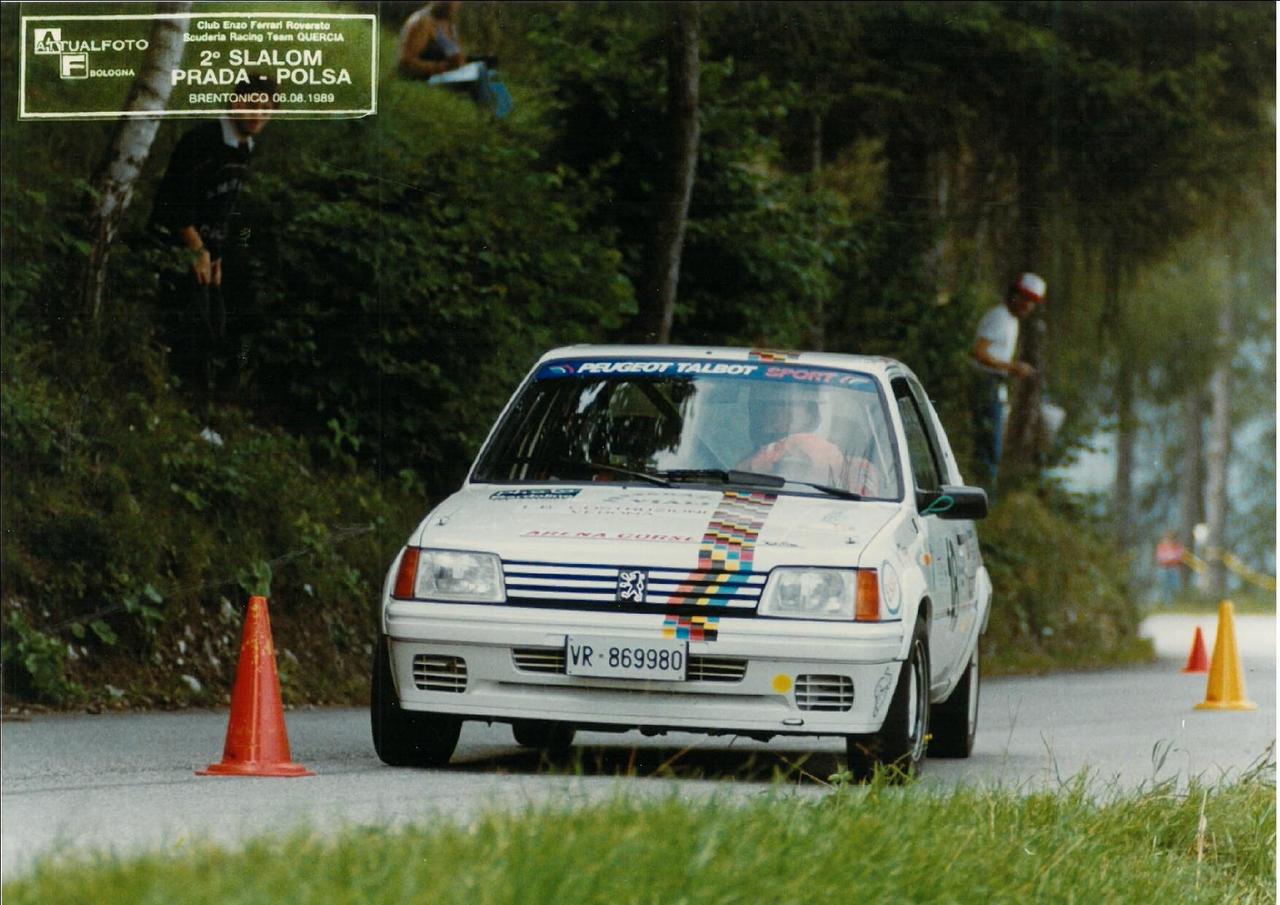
125 782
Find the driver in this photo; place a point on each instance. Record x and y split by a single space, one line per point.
783 419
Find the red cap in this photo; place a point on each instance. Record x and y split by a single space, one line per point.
1031 286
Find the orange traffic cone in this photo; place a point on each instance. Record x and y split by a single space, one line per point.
1197 660
257 744
1226 677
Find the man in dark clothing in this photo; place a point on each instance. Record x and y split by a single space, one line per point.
194 211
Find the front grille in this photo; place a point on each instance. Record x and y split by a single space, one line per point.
436 673
824 692
550 660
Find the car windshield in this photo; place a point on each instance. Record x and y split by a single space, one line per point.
803 429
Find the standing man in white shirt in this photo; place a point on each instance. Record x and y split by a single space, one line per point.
994 355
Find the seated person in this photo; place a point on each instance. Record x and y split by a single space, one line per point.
431 49
861 472
782 423
429 41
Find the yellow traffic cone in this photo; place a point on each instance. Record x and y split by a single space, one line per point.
1226 678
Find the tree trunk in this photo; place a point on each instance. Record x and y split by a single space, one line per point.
1126 420
1191 471
658 294
1019 459
815 140
114 182
818 334
1126 440
1220 440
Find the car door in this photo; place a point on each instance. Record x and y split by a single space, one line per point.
942 567
963 533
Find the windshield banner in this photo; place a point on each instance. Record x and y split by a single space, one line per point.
658 367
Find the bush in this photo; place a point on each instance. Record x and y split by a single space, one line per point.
1060 597
133 534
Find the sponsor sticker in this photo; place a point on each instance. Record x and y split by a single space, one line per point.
84 66
645 536
636 367
535 493
890 588
882 691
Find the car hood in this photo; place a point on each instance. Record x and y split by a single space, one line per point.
677 527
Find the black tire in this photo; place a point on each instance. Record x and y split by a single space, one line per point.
954 722
406 738
899 747
554 738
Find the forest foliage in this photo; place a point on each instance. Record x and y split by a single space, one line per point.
868 177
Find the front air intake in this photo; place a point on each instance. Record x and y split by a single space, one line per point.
824 692
539 659
437 673
716 669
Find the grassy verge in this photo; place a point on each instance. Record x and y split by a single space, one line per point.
1060 599
1249 603
1028 659
875 844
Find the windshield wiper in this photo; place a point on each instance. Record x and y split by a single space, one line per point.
614 469
727 476
583 463
828 489
732 476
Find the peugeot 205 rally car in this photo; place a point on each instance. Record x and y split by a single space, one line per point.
727 541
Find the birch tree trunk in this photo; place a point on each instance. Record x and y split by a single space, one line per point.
658 296
114 182
1219 454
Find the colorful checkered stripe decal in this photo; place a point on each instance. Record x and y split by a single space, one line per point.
771 355
724 564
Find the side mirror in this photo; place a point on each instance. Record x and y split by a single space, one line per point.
953 502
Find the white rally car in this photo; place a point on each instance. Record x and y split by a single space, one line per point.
726 541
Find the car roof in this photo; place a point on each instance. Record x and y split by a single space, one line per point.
877 365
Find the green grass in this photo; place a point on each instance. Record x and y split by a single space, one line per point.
1028 659
876 844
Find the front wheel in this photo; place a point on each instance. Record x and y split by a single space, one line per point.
900 743
406 738
955 720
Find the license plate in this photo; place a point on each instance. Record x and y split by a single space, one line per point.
625 658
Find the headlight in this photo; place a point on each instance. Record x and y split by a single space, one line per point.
449 575
809 594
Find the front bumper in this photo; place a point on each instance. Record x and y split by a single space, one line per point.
760 677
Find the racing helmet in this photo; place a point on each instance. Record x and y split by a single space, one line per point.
779 409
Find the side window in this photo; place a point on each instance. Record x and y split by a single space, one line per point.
924 461
937 436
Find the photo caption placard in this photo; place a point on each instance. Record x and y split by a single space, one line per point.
83 66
